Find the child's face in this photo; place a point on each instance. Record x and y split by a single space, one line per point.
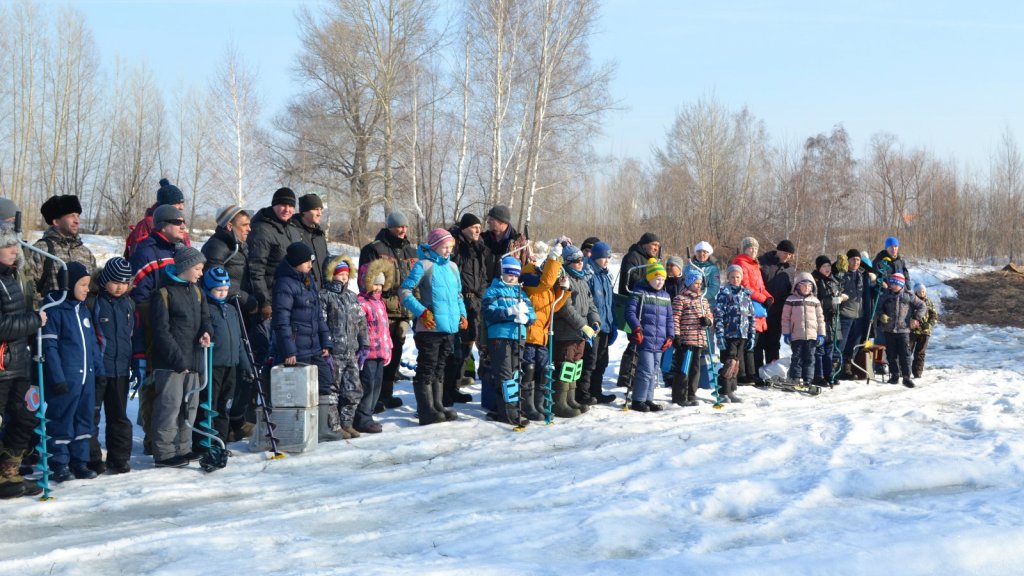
510 279
804 288
697 285
445 250
9 255
577 265
220 292
305 267
377 289
895 288
341 276
826 269
116 289
735 278
81 290
658 282
673 271
601 262
192 274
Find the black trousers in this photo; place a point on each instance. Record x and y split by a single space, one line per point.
398 329
595 363
897 352
223 383
112 399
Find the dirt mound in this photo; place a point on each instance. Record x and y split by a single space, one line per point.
994 298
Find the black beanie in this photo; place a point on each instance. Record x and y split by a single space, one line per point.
310 202
786 246
648 237
76 271
821 260
299 253
468 220
853 252
284 196
169 193
589 243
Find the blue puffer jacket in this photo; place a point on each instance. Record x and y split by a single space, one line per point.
498 298
651 310
114 321
73 354
602 291
440 287
734 313
298 325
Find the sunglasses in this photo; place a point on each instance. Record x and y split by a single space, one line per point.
178 222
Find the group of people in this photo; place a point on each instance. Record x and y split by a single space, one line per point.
264 290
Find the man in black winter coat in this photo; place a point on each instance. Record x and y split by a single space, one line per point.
391 244
778 273
475 263
307 221
227 248
502 238
630 272
272 233
17 324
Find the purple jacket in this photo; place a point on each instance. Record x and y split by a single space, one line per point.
652 311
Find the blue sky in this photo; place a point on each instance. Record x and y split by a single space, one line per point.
942 75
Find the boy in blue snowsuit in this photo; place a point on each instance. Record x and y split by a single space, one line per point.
73 361
507 311
734 328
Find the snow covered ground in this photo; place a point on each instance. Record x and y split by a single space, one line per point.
863 479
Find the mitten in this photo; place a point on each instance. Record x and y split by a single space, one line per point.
666 345
786 338
361 355
705 321
612 336
511 311
883 319
556 251
427 318
587 332
463 323
768 302
637 335
821 341
59 389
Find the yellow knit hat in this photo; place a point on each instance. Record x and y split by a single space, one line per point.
655 268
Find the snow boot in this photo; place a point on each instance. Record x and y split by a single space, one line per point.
425 404
894 379
571 400
437 392
61 473
527 407
654 407
908 382
540 395
11 482
734 398
561 407
329 420
82 471
638 406
350 431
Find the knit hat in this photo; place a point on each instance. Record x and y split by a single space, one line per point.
748 242
898 279
216 277
821 261
378 279
648 237
76 271
601 250
589 243
437 237
299 253
284 195
335 264
500 212
165 213
187 257
310 202
891 242
705 246
468 220
117 269
853 253
676 261
227 214
60 206
734 268
691 274
785 246
920 288
169 193
396 219
571 254
655 269
510 265
8 209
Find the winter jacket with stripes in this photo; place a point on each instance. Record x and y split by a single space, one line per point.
651 311
497 300
687 309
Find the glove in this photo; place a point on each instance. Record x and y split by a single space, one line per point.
588 332
637 335
721 343
522 308
463 323
361 355
523 319
821 341
427 318
750 343
884 319
556 250
666 345
612 337
704 321
768 302
511 311
787 339
59 389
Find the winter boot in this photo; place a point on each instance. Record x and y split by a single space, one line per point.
82 471
894 379
540 399
571 400
638 406
61 473
11 483
561 407
908 382
329 421
527 406
437 391
654 407
425 404
350 431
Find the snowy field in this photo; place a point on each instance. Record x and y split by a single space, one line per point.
863 479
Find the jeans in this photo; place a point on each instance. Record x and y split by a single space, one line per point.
647 370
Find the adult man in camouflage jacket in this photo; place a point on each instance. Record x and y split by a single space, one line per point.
63 214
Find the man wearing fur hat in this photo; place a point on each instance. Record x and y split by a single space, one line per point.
391 244
63 215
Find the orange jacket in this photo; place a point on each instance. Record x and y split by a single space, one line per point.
752 279
543 295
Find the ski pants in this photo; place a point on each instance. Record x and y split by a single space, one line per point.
801 365
349 386
897 353
823 360
734 349
71 422
171 435
112 398
685 382
398 328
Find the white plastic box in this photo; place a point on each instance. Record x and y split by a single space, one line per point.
293 387
296 430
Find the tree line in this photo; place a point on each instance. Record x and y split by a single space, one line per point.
398 105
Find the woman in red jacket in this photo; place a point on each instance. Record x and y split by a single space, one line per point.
752 279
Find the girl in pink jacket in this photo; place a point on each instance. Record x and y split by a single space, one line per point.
371 367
